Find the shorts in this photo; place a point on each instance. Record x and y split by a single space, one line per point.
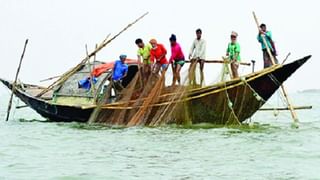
160 66
180 62
164 66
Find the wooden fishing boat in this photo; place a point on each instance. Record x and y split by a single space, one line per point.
234 100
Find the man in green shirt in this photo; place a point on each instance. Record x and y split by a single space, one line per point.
233 52
143 54
267 34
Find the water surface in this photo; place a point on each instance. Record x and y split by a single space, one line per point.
269 149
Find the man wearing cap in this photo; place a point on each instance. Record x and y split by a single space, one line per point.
176 59
120 69
233 53
197 54
144 57
267 34
158 56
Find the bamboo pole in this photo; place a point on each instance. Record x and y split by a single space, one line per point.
187 61
92 89
286 108
55 77
264 39
293 113
73 70
93 66
222 61
50 78
286 58
95 56
65 76
20 107
15 80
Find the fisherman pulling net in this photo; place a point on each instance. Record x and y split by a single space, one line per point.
149 101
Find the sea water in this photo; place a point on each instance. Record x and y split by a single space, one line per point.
268 148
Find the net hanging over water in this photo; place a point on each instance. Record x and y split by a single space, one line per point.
155 104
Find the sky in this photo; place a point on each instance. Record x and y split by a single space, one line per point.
59 29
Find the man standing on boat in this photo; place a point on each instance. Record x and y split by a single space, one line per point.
268 37
233 53
197 54
120 70
176 59
144 57
158 56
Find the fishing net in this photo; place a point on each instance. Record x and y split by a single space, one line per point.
154 103
151 104
115 113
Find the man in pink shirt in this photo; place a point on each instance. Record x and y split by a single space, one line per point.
176 59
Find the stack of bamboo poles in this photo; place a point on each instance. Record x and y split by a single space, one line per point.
103 44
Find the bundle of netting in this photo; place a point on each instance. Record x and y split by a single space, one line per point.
156 102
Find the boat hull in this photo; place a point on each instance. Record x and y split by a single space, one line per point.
235 101
236 104
52 112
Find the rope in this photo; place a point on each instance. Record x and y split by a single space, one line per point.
230 105
255 94
243 81
167 105
198 90
274 79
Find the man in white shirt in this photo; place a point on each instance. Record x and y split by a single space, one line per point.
197 54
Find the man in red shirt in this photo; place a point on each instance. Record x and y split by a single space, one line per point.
158 56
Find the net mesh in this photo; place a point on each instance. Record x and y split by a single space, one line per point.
152 103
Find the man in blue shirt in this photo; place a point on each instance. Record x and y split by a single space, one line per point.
120 69
267 34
